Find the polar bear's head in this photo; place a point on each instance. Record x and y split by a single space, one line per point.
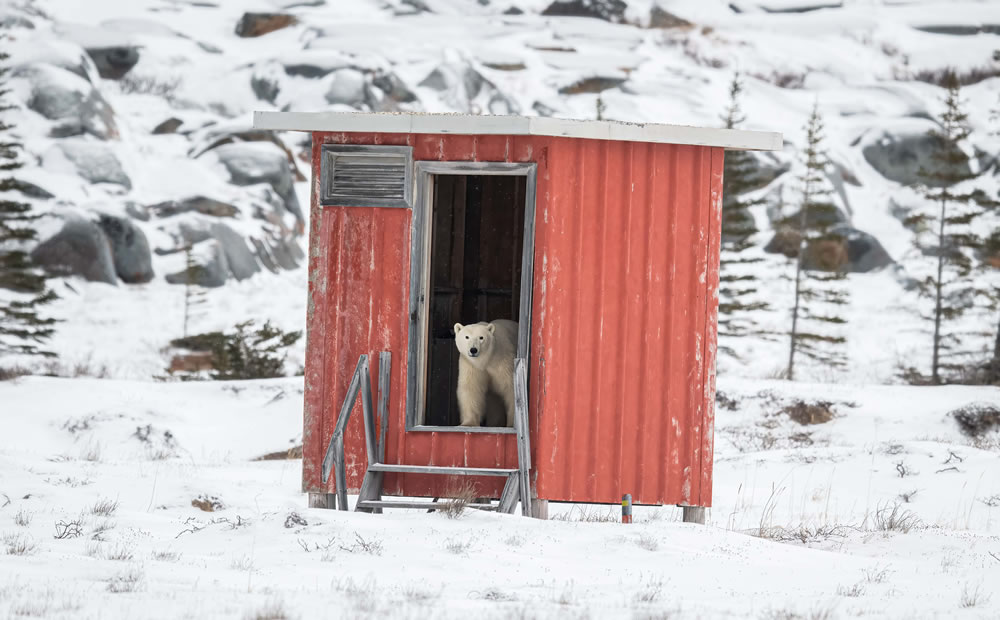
475 341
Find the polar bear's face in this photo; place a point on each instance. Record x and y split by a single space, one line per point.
474 341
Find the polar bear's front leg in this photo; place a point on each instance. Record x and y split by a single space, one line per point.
471 392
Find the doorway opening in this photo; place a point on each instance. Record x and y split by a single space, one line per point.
477 255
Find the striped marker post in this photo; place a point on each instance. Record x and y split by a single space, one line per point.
627 508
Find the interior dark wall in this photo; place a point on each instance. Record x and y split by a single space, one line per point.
476 246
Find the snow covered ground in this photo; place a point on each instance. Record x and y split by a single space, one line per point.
886 510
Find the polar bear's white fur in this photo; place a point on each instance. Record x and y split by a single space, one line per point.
485 369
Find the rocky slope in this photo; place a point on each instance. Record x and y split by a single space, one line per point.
136 120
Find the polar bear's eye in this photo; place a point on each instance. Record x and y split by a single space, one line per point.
466 337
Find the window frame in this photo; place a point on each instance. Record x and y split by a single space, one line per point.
420 263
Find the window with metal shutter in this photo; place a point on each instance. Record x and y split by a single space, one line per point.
366 176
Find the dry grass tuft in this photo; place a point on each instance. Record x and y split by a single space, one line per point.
23 518
274 610
104 508
973 597
372 546
458 547
892 518
130 580
18 544
459 498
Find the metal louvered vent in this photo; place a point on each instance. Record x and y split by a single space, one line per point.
366 176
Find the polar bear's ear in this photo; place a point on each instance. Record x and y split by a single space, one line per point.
458 328
491 328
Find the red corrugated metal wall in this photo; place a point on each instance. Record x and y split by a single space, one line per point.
623 344
626 285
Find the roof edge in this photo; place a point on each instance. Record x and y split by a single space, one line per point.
465 124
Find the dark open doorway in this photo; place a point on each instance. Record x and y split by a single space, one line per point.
476 248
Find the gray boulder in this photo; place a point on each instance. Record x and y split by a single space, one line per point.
864 252
462 87
209 268
114 62
608 10
251 163
80 248
258 24
129 249
899 157
197 204
93 161
60 95
171 125
393 87
240 259
348 87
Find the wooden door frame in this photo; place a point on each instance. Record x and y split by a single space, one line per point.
420 263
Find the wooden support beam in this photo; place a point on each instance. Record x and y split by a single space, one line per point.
694 514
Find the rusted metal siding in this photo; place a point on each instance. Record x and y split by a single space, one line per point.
621 375
628 254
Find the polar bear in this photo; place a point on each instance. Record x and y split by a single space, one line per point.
485 370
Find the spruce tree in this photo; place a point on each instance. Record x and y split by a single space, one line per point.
739 294
951 224
22 329
820 290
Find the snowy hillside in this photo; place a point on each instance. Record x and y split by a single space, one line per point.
123 499
158 153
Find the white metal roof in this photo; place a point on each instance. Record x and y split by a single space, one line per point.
516 126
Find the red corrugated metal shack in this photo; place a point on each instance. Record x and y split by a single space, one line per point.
600 238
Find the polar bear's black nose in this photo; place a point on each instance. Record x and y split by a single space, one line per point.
473 351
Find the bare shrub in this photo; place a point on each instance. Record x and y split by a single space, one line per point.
371 546
130 580
68 529
588 514
893 518
649 592
310 547
495 595
9 373
854 591
104 507
294 519
244 563
458 547
977 419
904 470
908 496
876 574
273 610
819 412
992 501
208 503
165 556
23 518
514 540
972 597
818 613
19 544
647 542
91 452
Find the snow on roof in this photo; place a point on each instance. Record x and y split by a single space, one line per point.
517 126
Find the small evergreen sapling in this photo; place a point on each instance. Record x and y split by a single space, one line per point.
820 292
22 329
952 227
739 294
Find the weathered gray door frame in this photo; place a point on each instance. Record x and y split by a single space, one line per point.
420 239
